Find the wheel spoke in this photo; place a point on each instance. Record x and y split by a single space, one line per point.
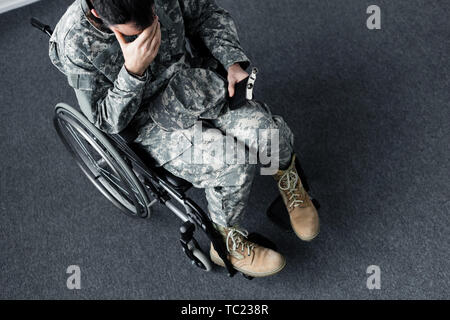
100 163
132 186
106 172
82 146
107 176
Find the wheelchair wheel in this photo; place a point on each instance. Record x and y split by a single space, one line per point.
105 166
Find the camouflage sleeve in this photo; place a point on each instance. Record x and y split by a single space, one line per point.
216 28
109 106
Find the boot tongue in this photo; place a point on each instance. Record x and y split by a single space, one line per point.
223 230
280 172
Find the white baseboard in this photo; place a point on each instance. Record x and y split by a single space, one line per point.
6 5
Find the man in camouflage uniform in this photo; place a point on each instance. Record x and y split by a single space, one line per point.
129 65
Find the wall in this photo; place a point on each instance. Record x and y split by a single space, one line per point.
6 5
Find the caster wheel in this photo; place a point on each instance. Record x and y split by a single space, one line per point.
203 262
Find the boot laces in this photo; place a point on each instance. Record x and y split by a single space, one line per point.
237 238
290 179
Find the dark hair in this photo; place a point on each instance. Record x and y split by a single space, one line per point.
112 12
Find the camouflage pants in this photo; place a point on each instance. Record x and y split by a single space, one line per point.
227 186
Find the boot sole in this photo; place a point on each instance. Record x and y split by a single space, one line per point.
308 239
219 262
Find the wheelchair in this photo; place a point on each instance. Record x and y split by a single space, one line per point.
122 172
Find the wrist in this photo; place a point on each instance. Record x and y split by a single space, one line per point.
139 76
135 72
239 65
234 66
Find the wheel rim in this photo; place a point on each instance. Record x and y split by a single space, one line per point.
98 165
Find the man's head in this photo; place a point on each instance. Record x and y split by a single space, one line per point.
129 17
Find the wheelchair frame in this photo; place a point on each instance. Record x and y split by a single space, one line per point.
155 183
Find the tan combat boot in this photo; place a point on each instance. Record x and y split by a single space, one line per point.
248 257
302 213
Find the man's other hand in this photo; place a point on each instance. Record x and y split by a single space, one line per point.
235 74
141 52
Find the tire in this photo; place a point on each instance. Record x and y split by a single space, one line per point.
103 163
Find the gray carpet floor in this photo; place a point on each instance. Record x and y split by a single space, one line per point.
371 115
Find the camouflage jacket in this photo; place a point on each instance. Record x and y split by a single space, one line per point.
173 93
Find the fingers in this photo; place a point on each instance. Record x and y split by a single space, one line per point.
156 29
120 38
149 32
235 75
231 85
156 41
242 77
